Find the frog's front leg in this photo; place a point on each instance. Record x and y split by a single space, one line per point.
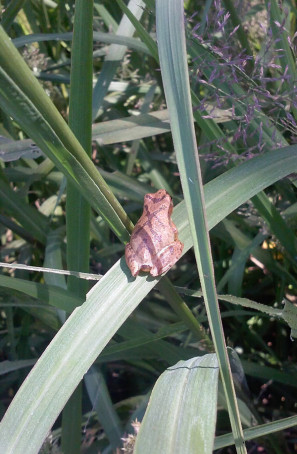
167 258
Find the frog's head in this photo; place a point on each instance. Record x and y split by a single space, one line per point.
157 201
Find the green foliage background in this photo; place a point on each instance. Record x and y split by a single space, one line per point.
95 113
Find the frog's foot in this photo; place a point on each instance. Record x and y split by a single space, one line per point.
167 258
131 260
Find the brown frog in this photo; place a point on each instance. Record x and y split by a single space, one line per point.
154 245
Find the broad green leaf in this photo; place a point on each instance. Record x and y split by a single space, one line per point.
183 404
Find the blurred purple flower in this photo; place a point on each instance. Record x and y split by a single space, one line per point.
245 94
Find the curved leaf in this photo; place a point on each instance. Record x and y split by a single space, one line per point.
188 393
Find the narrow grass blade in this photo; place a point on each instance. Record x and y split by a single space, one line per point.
259 431
78 212
145 37
80 122
49 294
10 366
148 99
10 12
235 272
32 221
277 225
102 404
173 62
53 258
131 128
106 17
108 38
268 373
241 33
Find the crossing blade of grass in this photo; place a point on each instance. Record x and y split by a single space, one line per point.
10 366
136 143
10 13
188 393
143 34
16 228
48 294
53 258
107 18
235 273
84 335
277 224
114 57
268 373
259 431
33 221
125 186
23 98
108 38
174 70
137 336
131 128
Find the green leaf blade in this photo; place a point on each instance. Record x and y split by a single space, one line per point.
188 393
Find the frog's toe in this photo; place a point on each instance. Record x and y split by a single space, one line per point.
134 268
155 271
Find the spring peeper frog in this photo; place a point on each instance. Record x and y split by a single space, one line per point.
154 245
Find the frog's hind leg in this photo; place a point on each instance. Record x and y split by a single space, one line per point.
167 258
